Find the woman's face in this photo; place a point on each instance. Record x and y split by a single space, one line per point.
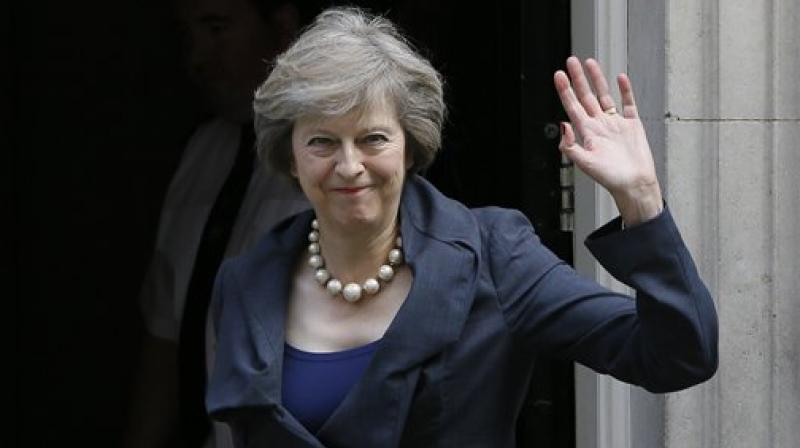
352 167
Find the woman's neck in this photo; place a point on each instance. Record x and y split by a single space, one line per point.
354 255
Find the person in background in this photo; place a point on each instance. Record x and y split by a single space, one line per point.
218 203
390 315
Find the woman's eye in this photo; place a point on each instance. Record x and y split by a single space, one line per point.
320 141
375 139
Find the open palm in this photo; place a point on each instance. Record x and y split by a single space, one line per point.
613 148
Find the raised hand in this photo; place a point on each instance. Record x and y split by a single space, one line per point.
613 149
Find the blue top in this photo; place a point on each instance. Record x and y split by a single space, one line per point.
315 383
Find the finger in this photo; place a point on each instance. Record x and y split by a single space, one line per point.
572 106
582 88
629 109
569 146
601 86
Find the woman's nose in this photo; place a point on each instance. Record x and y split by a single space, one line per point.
349 162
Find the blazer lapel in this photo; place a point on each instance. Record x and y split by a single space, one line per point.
266 289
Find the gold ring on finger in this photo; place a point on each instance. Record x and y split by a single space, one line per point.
611 110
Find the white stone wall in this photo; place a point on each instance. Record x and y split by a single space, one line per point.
732 173
718 87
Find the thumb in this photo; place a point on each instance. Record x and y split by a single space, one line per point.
570 147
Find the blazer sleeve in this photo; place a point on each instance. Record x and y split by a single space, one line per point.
664 339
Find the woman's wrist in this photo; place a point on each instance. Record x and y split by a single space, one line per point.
641 204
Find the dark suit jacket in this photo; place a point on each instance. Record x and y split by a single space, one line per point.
486 300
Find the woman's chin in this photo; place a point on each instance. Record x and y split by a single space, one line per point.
366 215
357 218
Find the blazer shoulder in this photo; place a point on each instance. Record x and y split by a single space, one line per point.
500 224
284 239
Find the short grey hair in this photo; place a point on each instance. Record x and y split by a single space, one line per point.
346 60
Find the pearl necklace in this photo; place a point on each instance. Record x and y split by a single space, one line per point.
351 291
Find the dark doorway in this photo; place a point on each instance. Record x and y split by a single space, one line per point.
96 112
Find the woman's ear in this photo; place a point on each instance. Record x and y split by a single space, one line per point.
286 142
409 150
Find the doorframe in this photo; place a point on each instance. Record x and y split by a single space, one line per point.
602 404
625 36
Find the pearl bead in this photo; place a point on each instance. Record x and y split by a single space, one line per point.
313 236
371 286
315 261
395 256
334 287
315 224
351 292
399 241
313 248
322 276
385 272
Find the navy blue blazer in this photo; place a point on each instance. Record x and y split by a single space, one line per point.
487 298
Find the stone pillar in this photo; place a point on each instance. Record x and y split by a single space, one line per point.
718 85
731 170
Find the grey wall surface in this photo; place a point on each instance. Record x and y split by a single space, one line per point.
718 89
731 157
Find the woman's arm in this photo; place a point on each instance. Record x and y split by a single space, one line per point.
664 340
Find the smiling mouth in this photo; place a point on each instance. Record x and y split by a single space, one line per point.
350 190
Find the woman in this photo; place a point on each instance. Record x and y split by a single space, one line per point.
390 315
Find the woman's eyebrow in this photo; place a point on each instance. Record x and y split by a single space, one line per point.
377 128
317 130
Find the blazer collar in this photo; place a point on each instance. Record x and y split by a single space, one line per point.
441 245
